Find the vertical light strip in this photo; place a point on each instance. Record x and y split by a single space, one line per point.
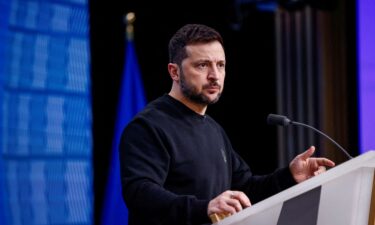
366 73
4 15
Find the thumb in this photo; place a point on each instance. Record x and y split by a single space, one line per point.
309 152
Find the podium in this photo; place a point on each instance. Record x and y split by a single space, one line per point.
343 195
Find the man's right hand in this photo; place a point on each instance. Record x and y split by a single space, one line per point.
228 202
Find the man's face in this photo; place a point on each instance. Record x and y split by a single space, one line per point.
203 72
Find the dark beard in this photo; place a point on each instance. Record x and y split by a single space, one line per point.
192 94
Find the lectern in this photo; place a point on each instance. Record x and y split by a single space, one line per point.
344 195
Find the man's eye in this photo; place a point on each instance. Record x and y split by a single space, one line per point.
202 65
221 65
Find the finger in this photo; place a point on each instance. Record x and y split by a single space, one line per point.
229 194
224 205
321 169
309 152
324 162
244 200
235 204
225 209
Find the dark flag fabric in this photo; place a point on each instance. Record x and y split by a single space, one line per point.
131 100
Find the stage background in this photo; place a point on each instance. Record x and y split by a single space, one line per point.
61 63
250 89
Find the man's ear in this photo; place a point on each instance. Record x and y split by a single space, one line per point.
174 72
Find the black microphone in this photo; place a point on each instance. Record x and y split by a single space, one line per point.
281 120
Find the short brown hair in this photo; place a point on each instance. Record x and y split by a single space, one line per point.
190 34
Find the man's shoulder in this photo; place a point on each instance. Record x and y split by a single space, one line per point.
154 117
212 121
155 111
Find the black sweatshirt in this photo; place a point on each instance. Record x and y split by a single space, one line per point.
174 161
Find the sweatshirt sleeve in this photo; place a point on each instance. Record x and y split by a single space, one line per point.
144 162
259 188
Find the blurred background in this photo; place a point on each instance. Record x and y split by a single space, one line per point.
63 69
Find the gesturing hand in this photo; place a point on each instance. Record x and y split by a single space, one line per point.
228 202
303 166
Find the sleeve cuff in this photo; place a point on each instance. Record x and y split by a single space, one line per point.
285 178
199 212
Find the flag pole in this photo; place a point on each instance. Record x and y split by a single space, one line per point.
129 20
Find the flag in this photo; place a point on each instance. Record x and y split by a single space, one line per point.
131 100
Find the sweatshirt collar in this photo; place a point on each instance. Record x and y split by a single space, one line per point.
183 108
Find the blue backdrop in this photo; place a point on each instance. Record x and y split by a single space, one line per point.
45 113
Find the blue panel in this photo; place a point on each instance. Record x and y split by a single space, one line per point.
4 21
366 73
45 113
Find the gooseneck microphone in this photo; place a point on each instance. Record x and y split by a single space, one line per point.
281 120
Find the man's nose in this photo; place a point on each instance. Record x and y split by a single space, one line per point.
213 73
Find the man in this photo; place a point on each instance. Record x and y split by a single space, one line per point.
177 163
